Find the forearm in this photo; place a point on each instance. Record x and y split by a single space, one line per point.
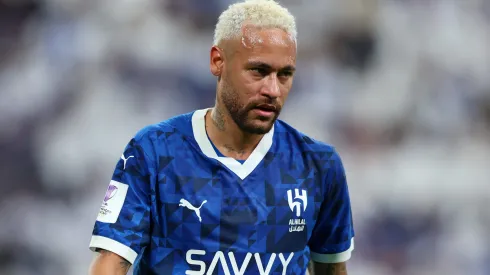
329 269
108 263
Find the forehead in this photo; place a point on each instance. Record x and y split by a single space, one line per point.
273 46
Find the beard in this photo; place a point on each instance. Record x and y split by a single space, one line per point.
242 115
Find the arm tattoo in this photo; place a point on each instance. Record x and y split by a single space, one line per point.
336 269
330 269
123 263
311 267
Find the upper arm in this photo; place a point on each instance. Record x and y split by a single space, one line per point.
332 239
123 222
109 263
329 268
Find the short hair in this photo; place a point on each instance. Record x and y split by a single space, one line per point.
259 13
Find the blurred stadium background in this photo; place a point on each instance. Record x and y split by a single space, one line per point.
400 87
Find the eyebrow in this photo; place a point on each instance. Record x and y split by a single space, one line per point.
262 65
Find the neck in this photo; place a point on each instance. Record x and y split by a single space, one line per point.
225 134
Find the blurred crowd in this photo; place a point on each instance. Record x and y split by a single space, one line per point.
400 87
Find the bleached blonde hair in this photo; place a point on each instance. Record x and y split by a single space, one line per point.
258 13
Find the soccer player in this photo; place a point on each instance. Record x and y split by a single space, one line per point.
230 189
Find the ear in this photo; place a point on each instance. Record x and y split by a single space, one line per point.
217 61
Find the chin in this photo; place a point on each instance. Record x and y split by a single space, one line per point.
258 128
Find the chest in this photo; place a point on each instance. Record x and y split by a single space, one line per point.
274 208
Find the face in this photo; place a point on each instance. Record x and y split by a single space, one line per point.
255 76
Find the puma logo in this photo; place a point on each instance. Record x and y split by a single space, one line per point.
125 160
188 205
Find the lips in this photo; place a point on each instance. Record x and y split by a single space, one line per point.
266 107
268 111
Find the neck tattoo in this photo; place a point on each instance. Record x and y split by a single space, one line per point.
233 150
218 119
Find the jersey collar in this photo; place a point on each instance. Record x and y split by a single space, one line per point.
241 170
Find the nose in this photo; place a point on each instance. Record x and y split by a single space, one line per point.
271 86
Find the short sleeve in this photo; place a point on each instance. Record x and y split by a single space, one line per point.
123 221
332 240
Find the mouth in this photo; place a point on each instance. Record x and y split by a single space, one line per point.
265 110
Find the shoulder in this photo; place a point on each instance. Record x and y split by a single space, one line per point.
306 143
158 139
165 130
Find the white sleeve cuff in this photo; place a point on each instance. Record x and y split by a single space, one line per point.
333 258
113 246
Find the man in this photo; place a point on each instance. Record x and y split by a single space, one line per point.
230 190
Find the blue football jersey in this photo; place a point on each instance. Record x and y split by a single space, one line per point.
176 206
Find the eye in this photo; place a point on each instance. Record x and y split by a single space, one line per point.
260 71
285 74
